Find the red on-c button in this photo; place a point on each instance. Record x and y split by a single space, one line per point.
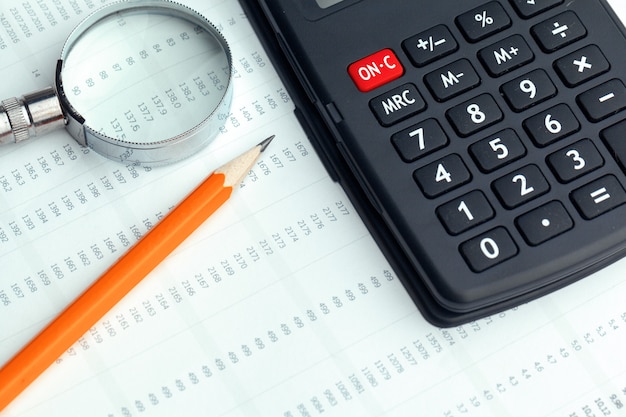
375 70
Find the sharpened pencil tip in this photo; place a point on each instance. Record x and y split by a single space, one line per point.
266 143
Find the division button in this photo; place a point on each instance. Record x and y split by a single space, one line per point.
558 31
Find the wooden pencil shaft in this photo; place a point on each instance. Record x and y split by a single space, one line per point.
122 277
111 287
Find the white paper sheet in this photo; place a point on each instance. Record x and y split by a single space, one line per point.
281 303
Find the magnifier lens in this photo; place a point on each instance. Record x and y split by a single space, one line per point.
146 76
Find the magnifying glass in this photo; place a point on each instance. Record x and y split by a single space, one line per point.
144 82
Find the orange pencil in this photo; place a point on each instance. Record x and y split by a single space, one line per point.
123 276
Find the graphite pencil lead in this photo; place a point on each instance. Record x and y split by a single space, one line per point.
264 144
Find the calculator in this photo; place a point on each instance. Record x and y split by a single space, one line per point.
482 142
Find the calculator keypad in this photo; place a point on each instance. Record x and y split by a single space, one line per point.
498 53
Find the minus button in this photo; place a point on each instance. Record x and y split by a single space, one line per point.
604 100
606 97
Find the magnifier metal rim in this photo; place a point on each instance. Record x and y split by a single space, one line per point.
158 152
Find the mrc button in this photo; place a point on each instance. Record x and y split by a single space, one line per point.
375 70
397 104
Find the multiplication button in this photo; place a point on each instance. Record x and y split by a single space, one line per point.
582 65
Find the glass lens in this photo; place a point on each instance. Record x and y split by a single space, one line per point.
145 75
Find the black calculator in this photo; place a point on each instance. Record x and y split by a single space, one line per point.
483 142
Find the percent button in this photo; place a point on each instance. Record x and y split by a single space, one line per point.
483 21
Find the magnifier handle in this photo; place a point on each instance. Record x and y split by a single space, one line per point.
31 115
